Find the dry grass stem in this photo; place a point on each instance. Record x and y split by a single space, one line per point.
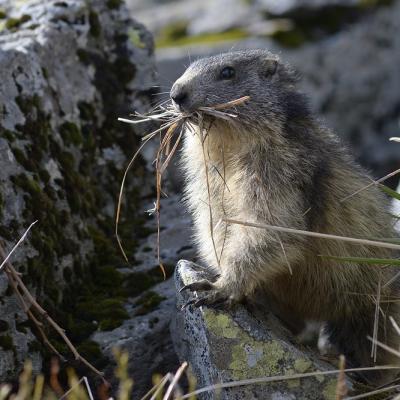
172 121
374 392
16 246
385 347
210 214
21 290
86 382
280 378
374 347
377 182
160 386
175 380
394 324
163 381
341 386
365 242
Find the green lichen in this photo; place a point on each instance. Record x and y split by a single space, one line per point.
329 391
14 23
135 38
301 365
6 342
148 302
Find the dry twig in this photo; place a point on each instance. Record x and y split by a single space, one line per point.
173 121
341 386
21 290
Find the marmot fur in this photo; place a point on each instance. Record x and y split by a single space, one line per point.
276 164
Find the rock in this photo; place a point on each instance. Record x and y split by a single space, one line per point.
145 334
224 346
349 85
68 70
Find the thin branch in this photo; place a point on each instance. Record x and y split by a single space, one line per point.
18 243
43 313
280 378
371 184
341 386
368 394
175 380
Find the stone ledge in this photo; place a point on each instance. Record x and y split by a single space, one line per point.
223 346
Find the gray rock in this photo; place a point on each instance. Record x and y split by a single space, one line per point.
145 335
68 70
223 346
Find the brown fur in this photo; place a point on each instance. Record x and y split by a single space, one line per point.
285 169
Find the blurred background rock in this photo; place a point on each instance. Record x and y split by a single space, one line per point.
347 51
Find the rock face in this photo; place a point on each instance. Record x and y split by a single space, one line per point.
145 335
68 70
224 346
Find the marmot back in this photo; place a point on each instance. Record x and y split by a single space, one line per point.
276 164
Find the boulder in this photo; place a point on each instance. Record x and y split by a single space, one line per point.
68 70
224 346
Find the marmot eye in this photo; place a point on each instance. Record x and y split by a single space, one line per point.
227 73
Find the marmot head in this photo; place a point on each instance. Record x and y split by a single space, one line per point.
259 74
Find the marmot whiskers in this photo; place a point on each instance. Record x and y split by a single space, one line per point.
276 164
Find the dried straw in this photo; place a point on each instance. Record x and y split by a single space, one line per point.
174 123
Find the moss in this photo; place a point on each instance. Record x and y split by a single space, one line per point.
3 325
8 135
71 134
137 282
14 23
87 111
3 14
45 73
6 342
22 326
206 38
174 31
34 346
94 23
148 302
92 352
110 312
291 38
113 4
83 56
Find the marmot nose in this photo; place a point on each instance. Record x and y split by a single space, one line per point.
179 97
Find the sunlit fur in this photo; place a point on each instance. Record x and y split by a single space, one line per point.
276 164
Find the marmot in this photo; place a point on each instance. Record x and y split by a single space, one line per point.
276 164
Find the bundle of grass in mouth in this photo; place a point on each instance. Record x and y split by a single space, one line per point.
173 123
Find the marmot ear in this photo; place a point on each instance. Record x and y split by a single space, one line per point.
270 66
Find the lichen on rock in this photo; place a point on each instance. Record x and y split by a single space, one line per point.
223 346
68 70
